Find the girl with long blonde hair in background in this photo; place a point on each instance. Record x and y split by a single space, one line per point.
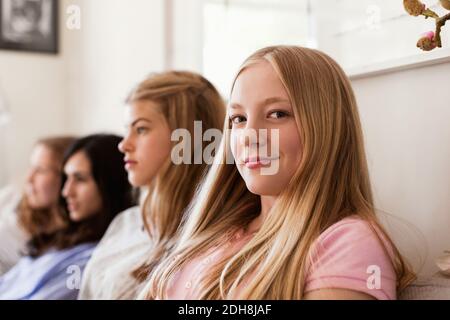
307 230
138 238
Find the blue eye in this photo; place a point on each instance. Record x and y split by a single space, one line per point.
278 114
237 119
141 130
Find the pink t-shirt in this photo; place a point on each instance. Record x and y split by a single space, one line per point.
348 256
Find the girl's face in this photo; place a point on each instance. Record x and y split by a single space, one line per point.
44 179
260 101
147 143
80 190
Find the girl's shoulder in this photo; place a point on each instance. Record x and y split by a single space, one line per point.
347 229
126 232
81 252
347 254
125 223
355 237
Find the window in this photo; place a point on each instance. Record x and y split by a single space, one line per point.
234 29
367 32
358 34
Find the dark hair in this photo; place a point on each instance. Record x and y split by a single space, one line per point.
109 174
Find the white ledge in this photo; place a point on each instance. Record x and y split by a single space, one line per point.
416 61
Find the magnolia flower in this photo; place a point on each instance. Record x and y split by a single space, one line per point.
427 42
445 4
414 7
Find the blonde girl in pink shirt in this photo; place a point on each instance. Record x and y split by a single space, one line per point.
307 230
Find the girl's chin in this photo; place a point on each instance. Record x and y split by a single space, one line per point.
35 204
73 215
136 182
261 188
139 180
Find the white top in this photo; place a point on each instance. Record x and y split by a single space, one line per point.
124 247
13 238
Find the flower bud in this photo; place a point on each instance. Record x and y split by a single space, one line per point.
445 4
427 43
414 7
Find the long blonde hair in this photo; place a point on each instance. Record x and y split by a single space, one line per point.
183 97
330 184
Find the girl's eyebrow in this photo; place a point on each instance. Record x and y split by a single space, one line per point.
138 120
235 106
263 103
272 100
78 174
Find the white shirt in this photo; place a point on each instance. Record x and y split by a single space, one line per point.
124 247
13 238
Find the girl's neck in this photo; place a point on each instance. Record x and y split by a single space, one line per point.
58 221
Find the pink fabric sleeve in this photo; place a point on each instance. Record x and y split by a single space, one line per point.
349 255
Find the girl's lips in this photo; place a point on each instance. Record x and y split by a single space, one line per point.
256 162
253 165
129 164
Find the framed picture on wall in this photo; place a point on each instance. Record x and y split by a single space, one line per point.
29 25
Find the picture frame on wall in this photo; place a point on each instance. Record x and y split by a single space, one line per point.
29 25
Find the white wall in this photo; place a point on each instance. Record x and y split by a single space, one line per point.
80 90
117 46
186 49
3 162
406 119
36 92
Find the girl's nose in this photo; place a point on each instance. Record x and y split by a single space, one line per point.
125 145
68 189
252 138
30 175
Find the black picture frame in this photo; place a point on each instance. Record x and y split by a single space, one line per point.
29 25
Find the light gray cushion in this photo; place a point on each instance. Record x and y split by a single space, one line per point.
436 287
